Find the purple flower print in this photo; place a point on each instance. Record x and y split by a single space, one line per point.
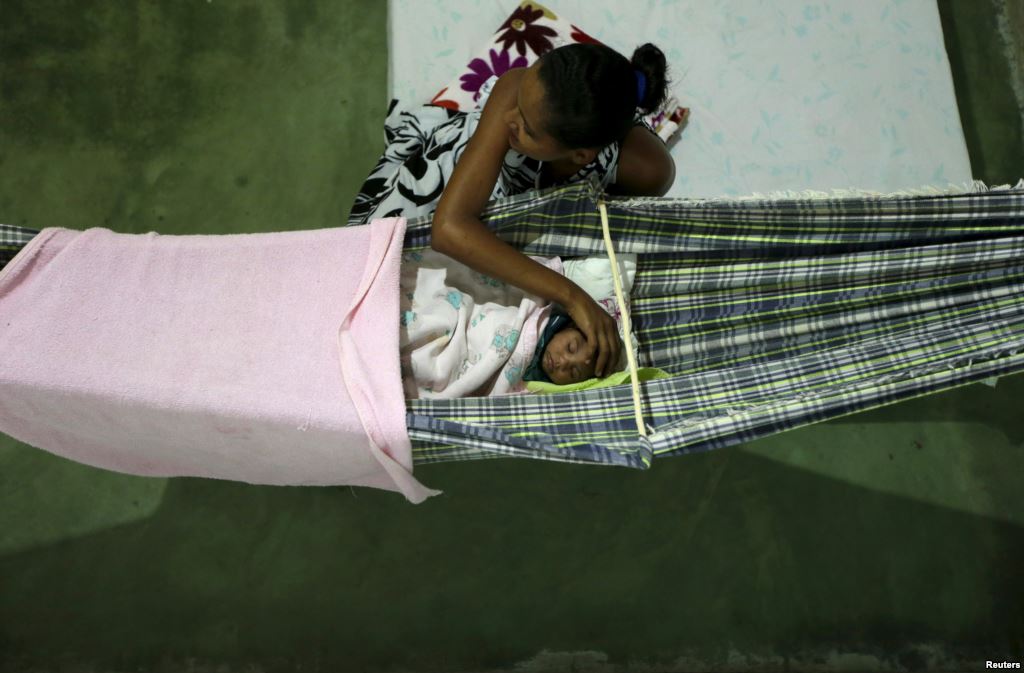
482 71
520 31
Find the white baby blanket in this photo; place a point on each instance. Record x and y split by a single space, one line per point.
265 358
464 333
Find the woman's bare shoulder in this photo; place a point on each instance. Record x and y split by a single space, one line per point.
506 89
645 166
476 171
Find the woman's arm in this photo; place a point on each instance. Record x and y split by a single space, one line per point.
458 232
645 166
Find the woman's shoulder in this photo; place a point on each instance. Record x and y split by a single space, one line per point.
503 90
512 76
645 167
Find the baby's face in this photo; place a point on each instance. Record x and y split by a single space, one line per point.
563 359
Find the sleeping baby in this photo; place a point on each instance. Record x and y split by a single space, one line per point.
464 334
559 357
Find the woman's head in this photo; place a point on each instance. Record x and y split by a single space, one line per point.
582 97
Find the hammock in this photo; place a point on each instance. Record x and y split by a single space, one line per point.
771 314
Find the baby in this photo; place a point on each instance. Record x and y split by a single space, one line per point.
463 334
560 355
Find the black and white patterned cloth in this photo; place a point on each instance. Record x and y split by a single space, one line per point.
423 146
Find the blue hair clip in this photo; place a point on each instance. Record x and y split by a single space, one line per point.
641 87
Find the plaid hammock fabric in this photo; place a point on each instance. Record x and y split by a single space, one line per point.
12 240
771 314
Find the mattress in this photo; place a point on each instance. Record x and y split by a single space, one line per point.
836 94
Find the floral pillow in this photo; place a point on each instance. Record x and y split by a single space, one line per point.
531 31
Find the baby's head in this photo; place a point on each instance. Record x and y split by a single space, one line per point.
564 358
560 355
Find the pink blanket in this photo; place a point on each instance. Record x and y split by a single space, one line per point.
264 358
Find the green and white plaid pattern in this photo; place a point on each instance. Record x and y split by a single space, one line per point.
771 314
12 240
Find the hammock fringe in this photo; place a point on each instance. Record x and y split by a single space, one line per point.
952 189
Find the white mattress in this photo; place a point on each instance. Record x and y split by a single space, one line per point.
785 95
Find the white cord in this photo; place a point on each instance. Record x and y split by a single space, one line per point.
627 328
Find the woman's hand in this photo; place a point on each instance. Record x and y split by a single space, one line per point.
600 331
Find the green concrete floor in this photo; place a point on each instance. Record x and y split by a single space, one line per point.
888 540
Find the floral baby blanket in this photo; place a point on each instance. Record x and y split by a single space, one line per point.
463 333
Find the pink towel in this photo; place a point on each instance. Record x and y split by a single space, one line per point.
264 358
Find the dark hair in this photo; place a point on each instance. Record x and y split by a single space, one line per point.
591 91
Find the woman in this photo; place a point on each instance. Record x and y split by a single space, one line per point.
571 114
